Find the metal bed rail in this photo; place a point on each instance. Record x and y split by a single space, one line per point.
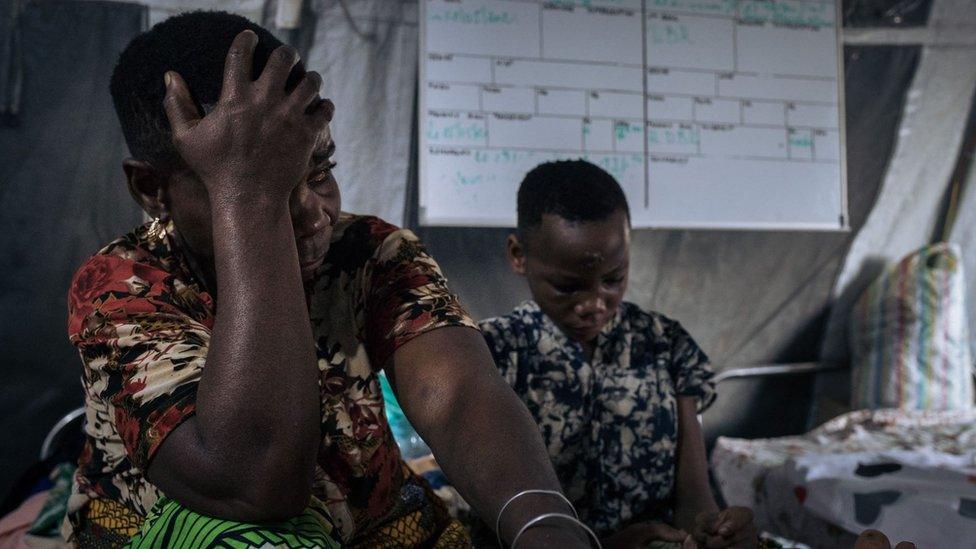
766 370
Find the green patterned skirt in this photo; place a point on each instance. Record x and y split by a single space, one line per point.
170 525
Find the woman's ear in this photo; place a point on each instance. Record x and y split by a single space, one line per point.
147 186
515 252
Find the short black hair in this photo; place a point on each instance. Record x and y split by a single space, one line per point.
574 190
193 44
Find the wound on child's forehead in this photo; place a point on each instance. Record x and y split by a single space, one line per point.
592 259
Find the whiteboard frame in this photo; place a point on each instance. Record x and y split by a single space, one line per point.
842 117
509 223
422 109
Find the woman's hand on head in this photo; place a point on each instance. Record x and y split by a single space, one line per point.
641 534
258 139
733 527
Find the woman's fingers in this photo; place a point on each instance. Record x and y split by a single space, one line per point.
321 112
238 65
275 73
307 91
180 109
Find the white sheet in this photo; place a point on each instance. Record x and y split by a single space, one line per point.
920 495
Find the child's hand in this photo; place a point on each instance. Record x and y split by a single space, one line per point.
733 527
873 539
641 534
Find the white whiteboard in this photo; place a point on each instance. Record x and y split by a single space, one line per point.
710 113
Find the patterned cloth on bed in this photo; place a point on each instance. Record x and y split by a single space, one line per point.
898 471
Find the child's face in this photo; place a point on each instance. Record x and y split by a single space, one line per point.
577 271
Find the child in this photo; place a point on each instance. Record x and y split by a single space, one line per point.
615 389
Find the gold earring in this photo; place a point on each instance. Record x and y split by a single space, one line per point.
157 231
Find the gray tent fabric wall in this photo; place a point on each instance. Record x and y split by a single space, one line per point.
62 197
963 231
9 63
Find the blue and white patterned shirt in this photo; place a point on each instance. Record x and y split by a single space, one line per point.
610 423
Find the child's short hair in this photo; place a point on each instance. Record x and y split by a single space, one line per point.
575 190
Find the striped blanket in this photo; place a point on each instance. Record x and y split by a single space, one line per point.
910 338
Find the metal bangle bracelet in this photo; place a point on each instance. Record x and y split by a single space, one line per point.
545 516
498 520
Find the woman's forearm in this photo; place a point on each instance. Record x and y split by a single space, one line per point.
249 452
259 389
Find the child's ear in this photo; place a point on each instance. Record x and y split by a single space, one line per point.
516 254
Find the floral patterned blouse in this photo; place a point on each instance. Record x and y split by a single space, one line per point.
610 423
142 323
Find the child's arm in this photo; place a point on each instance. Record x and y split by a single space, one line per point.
695 508
692 493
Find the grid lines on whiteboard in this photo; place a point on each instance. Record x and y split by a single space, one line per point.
629 85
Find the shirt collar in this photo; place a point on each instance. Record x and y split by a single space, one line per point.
531 309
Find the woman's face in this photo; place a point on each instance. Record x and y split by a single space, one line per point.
314 205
